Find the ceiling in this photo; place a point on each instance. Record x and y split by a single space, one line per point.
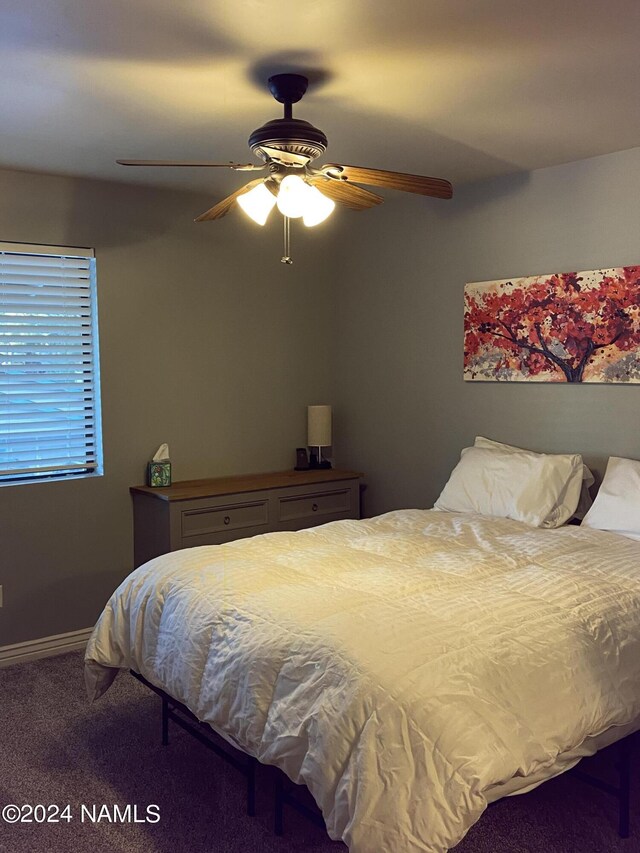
460 89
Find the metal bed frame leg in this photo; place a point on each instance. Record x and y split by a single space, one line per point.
165 721
248 768
622 791
624 768
278 806
251 786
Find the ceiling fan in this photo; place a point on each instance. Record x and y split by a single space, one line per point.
287 147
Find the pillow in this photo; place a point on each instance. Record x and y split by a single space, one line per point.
617 504
540 489
584 501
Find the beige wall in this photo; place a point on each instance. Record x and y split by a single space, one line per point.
405 410
207 342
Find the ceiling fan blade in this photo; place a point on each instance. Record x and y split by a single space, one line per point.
241 167
223 207
436 187
349 195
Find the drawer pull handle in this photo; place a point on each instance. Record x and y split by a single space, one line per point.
227 519
314 507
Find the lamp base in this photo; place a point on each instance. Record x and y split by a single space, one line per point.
315 465
317 462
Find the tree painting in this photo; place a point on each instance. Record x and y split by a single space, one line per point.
565 327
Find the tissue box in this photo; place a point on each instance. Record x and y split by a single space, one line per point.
159 474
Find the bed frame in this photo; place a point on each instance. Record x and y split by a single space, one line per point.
285 790
183 717
621 792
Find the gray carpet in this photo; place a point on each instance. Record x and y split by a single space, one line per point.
57 748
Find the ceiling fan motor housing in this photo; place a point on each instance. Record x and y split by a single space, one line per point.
292 135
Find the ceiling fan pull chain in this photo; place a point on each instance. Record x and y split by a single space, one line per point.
286 258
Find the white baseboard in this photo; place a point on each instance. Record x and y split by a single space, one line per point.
45 647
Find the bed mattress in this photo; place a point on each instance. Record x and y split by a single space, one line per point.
408 669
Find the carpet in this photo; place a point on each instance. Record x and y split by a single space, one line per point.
56 749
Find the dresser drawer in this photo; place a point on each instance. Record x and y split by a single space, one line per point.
208 520
314 507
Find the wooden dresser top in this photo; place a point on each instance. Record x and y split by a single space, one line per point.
190 489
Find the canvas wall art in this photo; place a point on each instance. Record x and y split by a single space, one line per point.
564 327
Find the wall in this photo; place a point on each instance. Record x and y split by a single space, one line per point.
207 342
405 412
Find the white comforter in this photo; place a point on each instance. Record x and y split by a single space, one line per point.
402 667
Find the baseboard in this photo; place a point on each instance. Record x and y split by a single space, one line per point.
45 647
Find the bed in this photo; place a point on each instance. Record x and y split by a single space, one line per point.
409 669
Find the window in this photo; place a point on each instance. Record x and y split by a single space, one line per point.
49 376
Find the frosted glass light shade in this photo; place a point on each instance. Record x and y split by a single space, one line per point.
319 426
292 198
257 203
317 207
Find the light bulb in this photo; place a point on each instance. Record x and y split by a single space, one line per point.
317 207
292 198
257 203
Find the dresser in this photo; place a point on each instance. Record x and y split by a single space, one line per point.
214 511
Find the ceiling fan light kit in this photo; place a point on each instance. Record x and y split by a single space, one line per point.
287 146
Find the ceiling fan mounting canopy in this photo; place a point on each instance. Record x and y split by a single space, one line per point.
288 88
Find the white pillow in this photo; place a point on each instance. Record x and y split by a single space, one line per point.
541 490
617 504
584 501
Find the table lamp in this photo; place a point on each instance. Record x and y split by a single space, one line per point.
318 434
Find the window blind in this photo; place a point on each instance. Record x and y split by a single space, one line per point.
49 375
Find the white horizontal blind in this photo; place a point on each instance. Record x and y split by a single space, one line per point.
49 376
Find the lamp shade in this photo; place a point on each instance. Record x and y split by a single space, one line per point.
257 203
319 426
317 208
292 197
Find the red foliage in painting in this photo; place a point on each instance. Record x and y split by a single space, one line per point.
555 324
